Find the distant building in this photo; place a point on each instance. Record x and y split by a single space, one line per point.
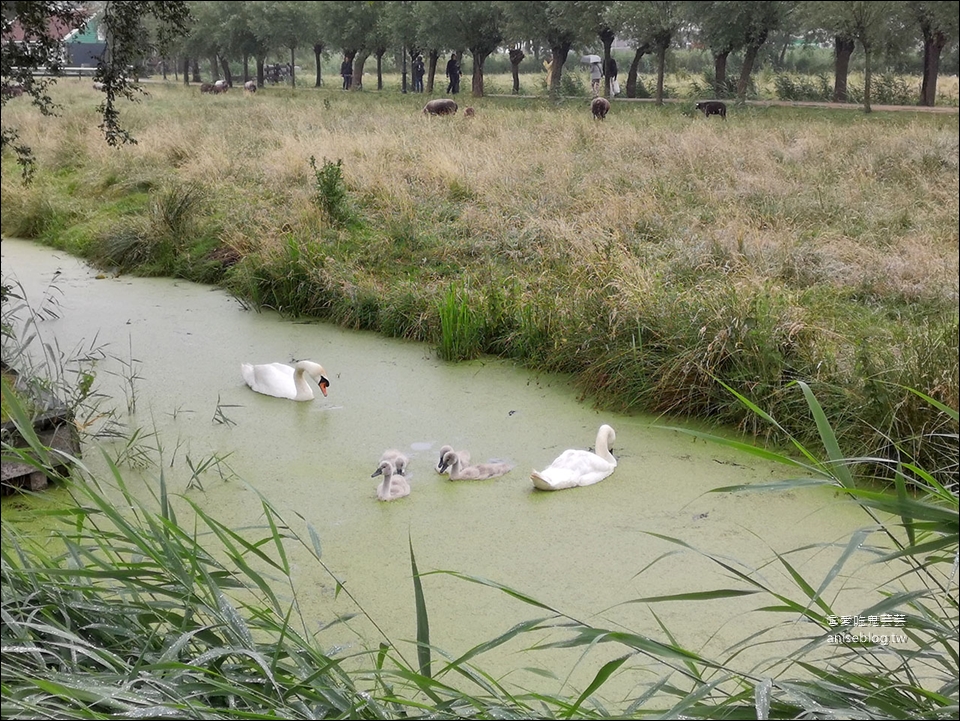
86 45
81 41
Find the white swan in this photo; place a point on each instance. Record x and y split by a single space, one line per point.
574 468
441 468
393 485
398 460
459 471
283 381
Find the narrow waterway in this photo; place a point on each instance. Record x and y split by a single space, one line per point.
175 349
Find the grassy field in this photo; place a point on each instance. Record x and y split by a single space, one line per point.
650 256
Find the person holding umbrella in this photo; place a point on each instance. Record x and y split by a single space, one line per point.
596 72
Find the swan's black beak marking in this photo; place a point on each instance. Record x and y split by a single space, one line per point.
376 473
324 384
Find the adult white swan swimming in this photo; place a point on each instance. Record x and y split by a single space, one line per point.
283 381
574 467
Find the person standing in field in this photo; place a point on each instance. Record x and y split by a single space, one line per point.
418 71
612 74
596 74
346 70
453 73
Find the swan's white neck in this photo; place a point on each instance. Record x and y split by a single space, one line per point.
603 446
300 383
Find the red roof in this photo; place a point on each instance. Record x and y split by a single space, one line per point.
56 28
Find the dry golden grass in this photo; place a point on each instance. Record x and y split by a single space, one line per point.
866 200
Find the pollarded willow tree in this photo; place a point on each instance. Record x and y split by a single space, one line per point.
474 25
560 25
604 23
654 25
133 31
352 26
868 22
938 23
757 20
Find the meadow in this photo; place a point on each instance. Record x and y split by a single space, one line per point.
649 256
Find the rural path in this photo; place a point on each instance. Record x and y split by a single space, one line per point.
940 109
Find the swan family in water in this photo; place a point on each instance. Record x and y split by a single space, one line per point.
571 469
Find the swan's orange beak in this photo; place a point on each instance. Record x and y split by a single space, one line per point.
323 385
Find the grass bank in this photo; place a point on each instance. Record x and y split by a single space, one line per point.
649 256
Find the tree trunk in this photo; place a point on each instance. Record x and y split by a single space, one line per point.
195 67
432 58
720 73
476 87
749 58
842 50
186 71
214 69
933 44
246 68
634 70
379 56
260 78
782 57
516 57
293 69
317 52
358 62
559 53
661 65
226 71
606 37
866 78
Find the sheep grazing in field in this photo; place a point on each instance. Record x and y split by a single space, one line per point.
213 88
97 85
250 86
11 90
440 106
712 107
600 107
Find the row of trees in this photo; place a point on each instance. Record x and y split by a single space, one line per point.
360 29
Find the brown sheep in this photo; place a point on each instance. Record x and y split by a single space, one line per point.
600 107
208 88
469 112
440 106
